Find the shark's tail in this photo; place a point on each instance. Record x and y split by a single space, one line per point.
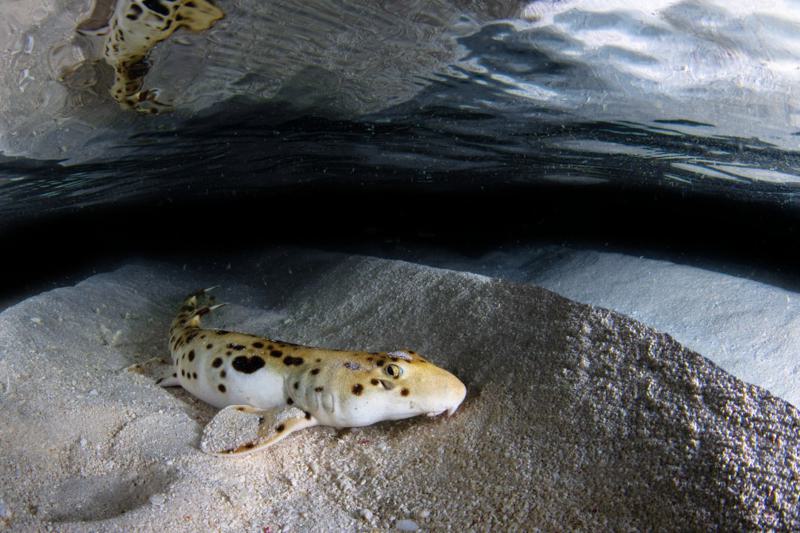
195 306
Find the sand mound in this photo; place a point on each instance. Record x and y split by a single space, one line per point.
576 417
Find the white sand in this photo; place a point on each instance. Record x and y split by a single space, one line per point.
576 418
749 328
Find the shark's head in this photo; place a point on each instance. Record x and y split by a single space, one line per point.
387 386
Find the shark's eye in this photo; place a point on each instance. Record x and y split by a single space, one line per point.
394 370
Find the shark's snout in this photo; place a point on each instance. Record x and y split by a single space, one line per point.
449 395
457 394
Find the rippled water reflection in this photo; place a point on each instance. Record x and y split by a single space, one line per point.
700 97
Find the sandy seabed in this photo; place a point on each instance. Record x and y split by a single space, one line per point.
576 418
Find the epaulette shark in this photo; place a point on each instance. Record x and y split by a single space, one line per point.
291 387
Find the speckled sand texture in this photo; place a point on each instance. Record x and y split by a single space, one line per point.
576 417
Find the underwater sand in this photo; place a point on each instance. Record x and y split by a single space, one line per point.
749 328
576 417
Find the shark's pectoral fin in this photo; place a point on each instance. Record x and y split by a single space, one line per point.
157 368
240 429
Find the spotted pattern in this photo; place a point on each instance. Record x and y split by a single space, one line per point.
337 387
132 28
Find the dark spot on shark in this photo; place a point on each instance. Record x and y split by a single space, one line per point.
289 361
247 365
358 388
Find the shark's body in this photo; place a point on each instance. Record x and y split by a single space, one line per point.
131 29
298 386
